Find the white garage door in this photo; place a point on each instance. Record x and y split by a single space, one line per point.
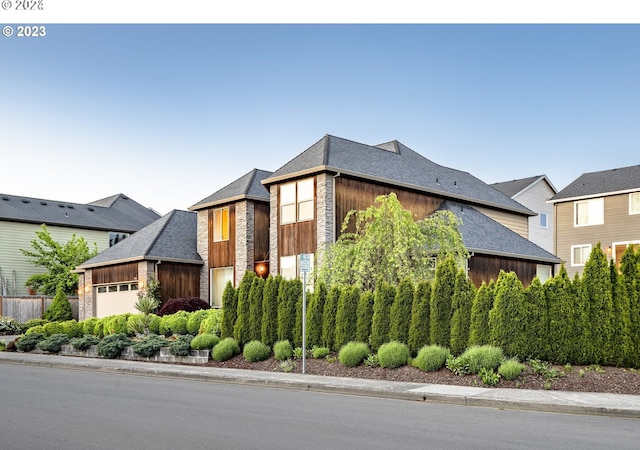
115 299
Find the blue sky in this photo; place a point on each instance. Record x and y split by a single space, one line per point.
169 114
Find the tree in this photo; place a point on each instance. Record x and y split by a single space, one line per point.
314 317
241 329
621 337
479 332
537 319
400 314
383 298
229 310
289 294
630 268
58 260
346 316
60 309
364 315
255 309
506 318
420 312
329 317
464 293
389 244
440 315
269 330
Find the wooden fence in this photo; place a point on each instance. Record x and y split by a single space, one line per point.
26 308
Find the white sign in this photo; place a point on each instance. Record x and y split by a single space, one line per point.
305 263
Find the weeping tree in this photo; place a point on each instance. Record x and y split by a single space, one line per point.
387 243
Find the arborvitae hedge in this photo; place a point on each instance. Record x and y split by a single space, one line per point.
288 295
241 329
508 329
60 309
383 297
479 331
269 329
537 322
229 310
441 297
255 309
296 292
314 315
400 313
621 337
464 293
329 317
364 315
420 311
346 316
630 268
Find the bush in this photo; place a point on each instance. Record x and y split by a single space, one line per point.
98 329
32 323
204 341
393 354
72 328
174 323
510 369
9 325
188 304
83 343
29 341
116 324
194 321
149 345
37 329
52 328
89 325
181 345
431 358
319 352
256 351
353 353
60 309
111 346
489 377
225 349
482 357
282 350
54 343
211 324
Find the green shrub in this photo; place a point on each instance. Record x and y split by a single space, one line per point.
431 358
149 345
372 361
54 343
256 351
195 320
83 343
98 329
329 311
282 350
174 323
489 377
483 356
241 329
319 352
255 308
32 323
458 366
204 341
315 311
441 298
89 325
229 310
461 312
112 345
225 349
400 312
60 309
393 354
346 313
117 324
3 346
383 297
211 323
510 369
353 353
72 328
181 345
52 328
420 311
9 325
39 329
29 341
143 323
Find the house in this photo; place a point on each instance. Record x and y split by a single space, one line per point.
233 234
533 192
165 250
103 222
597 207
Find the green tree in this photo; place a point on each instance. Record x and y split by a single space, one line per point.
296 290
58 260
400 313
288 295
241 329
621 337
630 269
383 297
479 332
537 321
440 316
388 243
60 309
420 312
364 315
269 330
229 310
346 316
329 317
314 317
464 293
255 309
506 318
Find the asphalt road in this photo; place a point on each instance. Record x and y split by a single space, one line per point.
52 408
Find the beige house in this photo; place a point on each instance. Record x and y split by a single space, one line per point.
598 207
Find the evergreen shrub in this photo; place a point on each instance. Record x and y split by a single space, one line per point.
319 352
54 343
211 324
112 345
181 345
60 309
149 345
282 350
83 343
72 328
393 354
29 341
483 356
195 320
431 358
32 323
36 329
204 341
353 353
174 323
256 351
52 328
511 369
225 349
89 325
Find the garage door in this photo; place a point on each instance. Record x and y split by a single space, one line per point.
115 299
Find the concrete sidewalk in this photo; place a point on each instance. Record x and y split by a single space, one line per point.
523 399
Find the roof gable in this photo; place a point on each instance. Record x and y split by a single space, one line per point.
624 179
248 186
515 187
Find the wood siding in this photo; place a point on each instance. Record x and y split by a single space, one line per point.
115 274
486 268
619 226
515 222
223 254
299 237
261 227
178 280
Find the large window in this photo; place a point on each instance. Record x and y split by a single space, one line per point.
220 224
634 203
589 212
218 279
580 254
296 201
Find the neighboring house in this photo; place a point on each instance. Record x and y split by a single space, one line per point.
233 234
165 250
597 207
103 222
533 192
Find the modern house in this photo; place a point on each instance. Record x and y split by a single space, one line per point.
534 193
165 250
103 222
598 207
233 234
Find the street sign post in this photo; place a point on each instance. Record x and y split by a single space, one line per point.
305 268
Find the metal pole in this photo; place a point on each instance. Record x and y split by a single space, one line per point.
304 323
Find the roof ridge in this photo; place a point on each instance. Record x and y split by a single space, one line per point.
250 183
159 233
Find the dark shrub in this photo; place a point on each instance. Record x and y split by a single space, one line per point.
83 343
256 351
54 343
149 345
181 345
188 304
353 353
29 341
225 349
111 346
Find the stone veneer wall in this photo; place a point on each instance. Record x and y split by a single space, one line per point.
325 205
202 246
85 296
274 262
245 235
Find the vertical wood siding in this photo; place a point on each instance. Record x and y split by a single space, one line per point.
115 274
261 227
178 280
486 268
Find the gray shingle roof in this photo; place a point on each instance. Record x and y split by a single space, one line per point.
483 235
115 213
603 182
513 187
395 164
170 238
247 187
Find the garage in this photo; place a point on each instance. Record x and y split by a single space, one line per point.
117 298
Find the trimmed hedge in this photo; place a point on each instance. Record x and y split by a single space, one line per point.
353 353
393 354
225 349
256 351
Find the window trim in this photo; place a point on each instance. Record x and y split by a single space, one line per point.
546 220
573 247
220 237
589 203
631 196
298 202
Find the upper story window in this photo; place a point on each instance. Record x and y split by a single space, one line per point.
543 220
589 212
634 203
296 201
580 254
221 224
114 237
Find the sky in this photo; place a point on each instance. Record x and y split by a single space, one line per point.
170 113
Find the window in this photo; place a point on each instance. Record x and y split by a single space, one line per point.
580 254
543 220
219 277
634 203
289 267
220 224
543 272
589 212
296 201
114 237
